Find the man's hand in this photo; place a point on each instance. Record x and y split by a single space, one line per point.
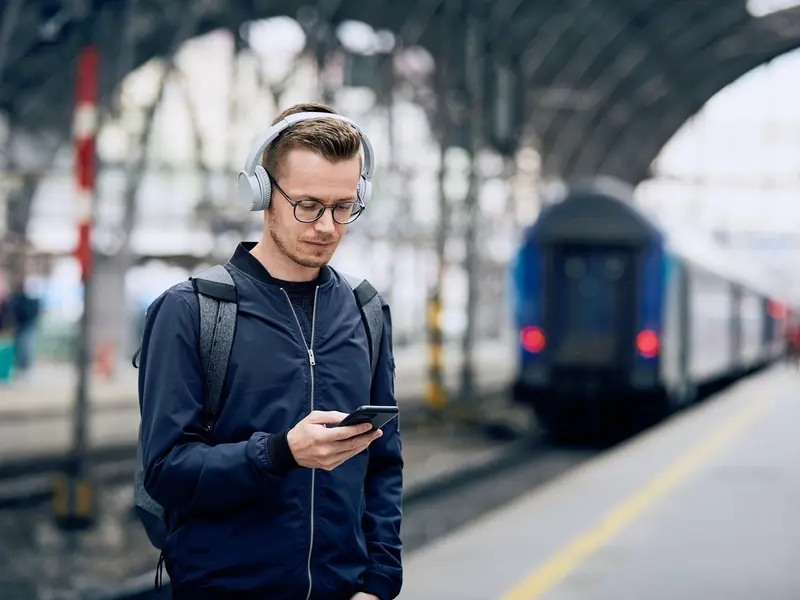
363 596
318 447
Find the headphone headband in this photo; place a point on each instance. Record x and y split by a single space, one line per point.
260 146
255 188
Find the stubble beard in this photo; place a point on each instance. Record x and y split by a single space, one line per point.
309 262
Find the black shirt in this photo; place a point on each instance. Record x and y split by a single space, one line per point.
301 293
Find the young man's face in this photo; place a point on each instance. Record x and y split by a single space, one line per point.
304 175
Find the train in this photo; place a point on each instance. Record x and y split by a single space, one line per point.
622 317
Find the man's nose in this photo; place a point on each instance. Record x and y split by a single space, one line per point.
325 224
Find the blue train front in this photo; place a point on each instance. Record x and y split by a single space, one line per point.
620 319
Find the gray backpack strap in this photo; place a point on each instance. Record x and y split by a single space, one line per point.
369 303
218 299
217 295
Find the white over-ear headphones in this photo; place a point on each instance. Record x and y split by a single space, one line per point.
255 190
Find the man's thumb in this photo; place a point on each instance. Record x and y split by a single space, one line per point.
329 417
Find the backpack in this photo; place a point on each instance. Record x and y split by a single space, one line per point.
218 297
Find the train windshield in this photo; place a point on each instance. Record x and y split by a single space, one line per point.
593 287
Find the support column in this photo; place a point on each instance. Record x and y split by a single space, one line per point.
436 394
474 57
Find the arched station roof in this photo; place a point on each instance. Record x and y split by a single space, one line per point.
607 82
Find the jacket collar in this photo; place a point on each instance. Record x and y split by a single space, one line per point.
243 260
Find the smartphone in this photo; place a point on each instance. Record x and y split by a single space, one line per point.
377 415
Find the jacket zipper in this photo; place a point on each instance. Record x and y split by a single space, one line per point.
312 363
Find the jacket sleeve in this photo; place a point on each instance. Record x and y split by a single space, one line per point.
181 471
384 485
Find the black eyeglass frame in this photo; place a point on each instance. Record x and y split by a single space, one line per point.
323 208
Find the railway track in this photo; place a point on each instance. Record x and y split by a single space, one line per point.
439 508
430 511
28 483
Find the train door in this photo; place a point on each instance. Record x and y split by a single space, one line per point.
767 326
591 304
736 315
685 324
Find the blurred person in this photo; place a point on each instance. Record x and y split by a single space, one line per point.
23 314
282 506
5 315
6 338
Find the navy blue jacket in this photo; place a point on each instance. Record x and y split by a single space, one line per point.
243 517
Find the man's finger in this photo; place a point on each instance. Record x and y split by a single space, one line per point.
342 433
359 441
346 449
342 457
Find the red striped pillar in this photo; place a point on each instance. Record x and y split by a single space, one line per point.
84 133
74 494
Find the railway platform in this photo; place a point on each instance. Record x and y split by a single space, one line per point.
35 414
705 506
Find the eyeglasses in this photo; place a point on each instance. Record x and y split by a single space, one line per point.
308 211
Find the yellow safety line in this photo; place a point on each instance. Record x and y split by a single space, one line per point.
557 568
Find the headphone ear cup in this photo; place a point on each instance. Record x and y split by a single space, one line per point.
265 188
364 190
249 191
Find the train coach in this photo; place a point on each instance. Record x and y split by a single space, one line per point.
621 317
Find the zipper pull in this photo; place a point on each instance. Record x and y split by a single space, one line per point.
311 357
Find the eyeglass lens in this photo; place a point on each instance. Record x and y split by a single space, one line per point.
308 211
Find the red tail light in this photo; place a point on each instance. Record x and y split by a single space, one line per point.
532 339
776 310
647 343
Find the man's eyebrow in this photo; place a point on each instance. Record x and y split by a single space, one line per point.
321 201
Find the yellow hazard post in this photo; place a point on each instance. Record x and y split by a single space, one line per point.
74 502
435 397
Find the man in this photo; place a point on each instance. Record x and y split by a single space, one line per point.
280 507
